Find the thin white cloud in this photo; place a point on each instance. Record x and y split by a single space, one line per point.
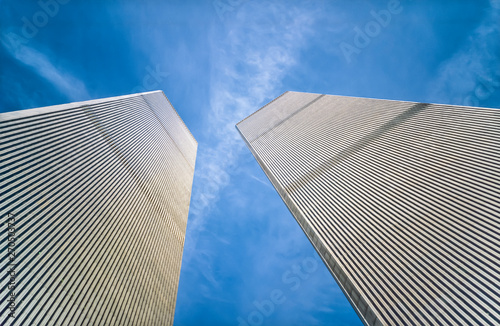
261 181
41 65
249 62
472 74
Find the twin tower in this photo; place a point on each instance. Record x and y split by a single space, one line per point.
401 200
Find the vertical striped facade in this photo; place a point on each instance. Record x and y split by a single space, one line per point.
100 194
401 200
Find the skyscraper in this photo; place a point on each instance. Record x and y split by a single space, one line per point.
95 199
401 200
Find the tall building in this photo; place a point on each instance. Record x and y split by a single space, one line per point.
95 199
401 200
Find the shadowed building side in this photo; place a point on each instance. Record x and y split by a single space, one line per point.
98 195
400 199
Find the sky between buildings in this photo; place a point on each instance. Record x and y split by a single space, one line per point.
220 60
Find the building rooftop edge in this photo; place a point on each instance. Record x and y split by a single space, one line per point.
11 115
368 98
24 113
265 106
184 124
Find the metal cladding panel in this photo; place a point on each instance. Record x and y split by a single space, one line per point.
401 200
100 194
173 124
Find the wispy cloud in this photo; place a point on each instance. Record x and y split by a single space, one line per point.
41 65
261 181
246 74
473 72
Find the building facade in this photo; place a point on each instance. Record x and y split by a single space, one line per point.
401 200
95 199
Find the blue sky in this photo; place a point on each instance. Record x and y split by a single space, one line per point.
218 61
